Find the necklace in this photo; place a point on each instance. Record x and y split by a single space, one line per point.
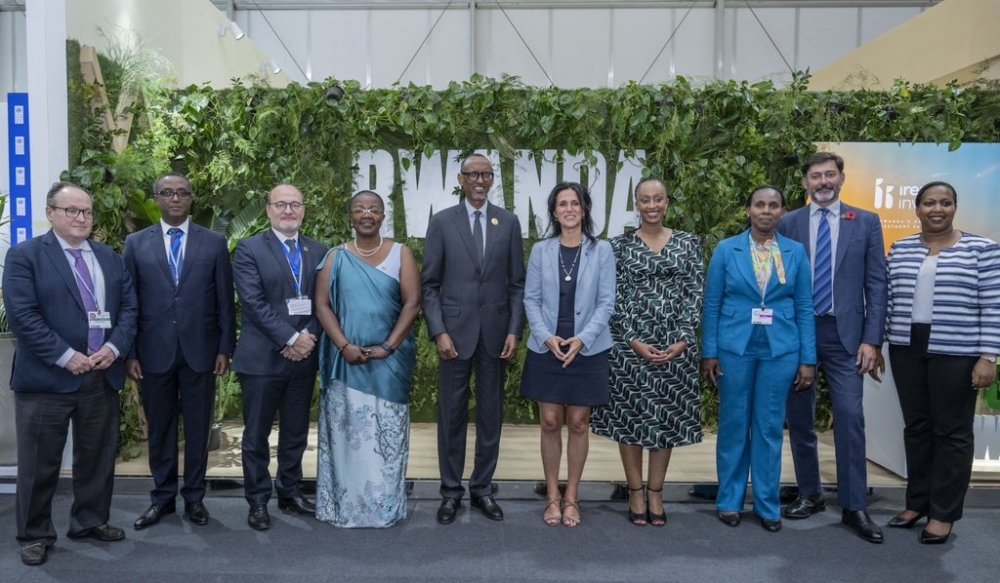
569 272
368 253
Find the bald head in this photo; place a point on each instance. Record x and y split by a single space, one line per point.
285 209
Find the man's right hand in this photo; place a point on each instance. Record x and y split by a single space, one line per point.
304 344
446 348
79 364
133 370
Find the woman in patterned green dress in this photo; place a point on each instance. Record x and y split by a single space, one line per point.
655 389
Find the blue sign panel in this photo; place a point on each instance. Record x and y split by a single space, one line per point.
20 167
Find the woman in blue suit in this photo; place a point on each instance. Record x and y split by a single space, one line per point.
758 340
569 296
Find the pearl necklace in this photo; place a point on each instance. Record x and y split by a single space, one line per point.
368 253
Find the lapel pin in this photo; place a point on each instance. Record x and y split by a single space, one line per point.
495 221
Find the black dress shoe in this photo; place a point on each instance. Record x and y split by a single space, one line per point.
196 513
297 504
488 506
448 510
898 522
105 532
926 538
770 525
34 553
259 519
787 494
153 514
805 506
862 525
730 518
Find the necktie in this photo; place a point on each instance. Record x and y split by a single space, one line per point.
176 258
823 271
293 257
477 236
85 283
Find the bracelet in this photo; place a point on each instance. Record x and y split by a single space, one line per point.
341 348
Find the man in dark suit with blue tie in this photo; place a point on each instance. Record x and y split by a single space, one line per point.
473 284
849 296
71 305
275 357
187 332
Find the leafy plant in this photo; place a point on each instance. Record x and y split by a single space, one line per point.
711 143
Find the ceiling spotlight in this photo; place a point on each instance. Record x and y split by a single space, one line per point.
237 31
273 65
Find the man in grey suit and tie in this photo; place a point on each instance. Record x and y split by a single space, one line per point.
70 302
849 295
473 284
275 358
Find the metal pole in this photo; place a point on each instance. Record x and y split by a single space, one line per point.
720 38
472 38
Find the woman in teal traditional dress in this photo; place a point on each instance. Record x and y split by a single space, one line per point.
655 391
367 355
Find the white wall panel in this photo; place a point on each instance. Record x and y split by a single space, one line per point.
754 57
396 36
507 53
878 21
448 49
339 46
825 35
694 45
284 34
639 34
581 48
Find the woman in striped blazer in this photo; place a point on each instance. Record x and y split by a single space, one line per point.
944 337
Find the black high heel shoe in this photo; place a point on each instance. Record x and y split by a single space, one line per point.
927 538
655 519
637 518
898 522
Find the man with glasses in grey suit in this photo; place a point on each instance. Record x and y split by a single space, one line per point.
473 285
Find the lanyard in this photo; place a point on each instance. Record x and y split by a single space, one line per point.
766 258
83 282
295 262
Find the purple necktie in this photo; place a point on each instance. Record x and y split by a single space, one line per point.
95 338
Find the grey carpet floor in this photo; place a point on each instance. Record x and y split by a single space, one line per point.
694 546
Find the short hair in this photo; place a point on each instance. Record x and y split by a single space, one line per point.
475 155
781 195
822 158
361 193
50 197
587 225
930 185
158 181
279 185
635 191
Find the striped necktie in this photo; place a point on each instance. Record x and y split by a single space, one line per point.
823 271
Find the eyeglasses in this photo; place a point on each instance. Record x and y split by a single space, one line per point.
75 212
181 194
475 176
358 212
281 206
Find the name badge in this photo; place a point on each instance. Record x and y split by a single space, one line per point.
300 306
762 316
100 320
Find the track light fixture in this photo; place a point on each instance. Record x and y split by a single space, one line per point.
238 33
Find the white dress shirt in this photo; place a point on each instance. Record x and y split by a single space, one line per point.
97 275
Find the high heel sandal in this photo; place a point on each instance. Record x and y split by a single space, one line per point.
637 518
570 521
554 519
656 519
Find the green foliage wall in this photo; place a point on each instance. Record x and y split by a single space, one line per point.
712 144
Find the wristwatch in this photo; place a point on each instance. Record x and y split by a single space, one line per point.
989 359
389 349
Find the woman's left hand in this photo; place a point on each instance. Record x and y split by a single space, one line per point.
374 352
804 379
572 347
983 374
